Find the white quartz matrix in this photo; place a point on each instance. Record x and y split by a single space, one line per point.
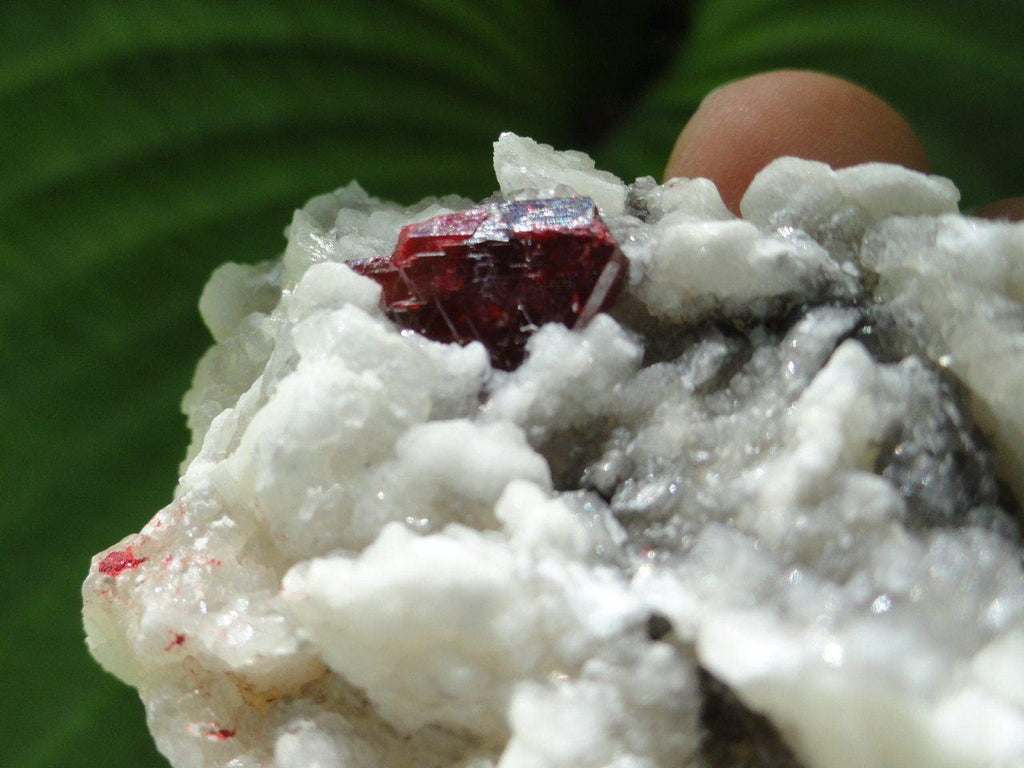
764 513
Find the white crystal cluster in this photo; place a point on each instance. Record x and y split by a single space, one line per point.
783 468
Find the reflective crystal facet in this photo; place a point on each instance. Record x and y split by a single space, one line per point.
498 272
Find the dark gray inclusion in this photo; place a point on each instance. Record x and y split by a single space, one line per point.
736 736
937 458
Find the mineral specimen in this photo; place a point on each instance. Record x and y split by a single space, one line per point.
497 273
761 511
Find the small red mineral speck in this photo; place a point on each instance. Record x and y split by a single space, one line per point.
221 734
177 639
497 272
119 561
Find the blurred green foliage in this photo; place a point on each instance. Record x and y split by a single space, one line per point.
141 144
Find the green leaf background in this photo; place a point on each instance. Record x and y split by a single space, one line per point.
141 144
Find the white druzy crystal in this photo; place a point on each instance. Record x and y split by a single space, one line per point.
763 513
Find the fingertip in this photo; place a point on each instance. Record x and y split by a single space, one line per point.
742 126
1009 209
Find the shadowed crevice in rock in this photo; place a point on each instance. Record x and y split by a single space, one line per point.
736 736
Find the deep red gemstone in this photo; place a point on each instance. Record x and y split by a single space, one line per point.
497 272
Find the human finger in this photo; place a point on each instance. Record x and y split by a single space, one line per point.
742 126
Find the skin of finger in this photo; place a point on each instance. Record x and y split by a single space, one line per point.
744 125
1010 209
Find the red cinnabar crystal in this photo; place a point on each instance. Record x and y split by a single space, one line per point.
119 561
497 272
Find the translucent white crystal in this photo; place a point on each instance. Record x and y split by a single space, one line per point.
775 467
696 199
522 163
810 195
569 377
696 268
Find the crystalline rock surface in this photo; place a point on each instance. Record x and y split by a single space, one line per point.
763 510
